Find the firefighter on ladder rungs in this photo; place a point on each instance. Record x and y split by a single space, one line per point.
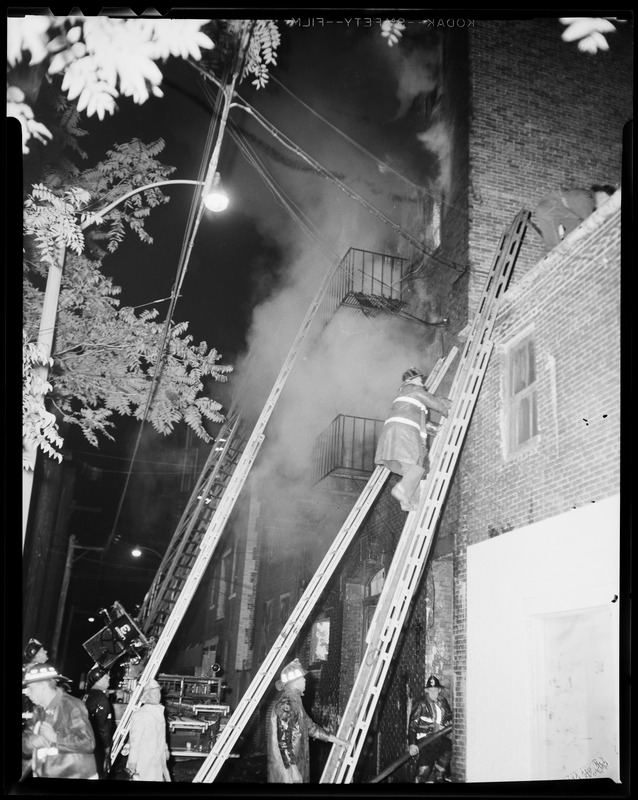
403 445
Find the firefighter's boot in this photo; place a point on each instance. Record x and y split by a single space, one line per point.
422 775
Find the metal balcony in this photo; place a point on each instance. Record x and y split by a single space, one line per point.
368 282
346 448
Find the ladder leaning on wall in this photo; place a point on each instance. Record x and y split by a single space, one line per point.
194 541
267 672
410 557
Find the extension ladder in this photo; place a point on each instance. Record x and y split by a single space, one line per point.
267 672
171 605
410 557
181 553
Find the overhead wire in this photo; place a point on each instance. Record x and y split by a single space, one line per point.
384 165
325 172
297 214
191 229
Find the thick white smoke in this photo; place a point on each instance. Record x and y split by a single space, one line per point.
355 367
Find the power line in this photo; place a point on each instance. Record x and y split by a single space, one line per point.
195 214
288 143
355 144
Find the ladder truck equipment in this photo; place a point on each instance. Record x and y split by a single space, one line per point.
263 680
409 560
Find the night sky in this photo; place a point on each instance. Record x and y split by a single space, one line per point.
247 258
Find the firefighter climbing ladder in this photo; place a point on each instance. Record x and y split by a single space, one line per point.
267 672
167 608
411 555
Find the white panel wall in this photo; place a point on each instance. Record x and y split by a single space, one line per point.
542 649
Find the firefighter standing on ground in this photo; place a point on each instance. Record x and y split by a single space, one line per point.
288 729
59 738
431 713
100 714
148 748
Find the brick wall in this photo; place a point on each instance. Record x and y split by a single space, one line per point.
571 302
544 115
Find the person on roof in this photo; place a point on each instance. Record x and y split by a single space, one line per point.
403 444
560 212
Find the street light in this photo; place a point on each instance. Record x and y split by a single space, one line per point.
216 200
138 552
213 197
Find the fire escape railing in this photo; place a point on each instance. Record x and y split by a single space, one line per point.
346 448
368 281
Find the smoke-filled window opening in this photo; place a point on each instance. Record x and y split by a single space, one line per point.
284 608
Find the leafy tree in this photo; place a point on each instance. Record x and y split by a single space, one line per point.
587 31
104 356
98 59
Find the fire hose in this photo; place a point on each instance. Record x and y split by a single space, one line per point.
406 757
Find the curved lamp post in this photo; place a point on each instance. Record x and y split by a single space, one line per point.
213 197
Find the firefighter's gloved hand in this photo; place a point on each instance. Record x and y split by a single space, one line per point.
414 750
448 405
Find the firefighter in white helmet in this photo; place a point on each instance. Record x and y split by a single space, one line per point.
403 444
288 727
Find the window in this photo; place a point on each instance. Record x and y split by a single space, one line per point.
284 608
436 224
521 394
266 618
214 589
319 640
209 655
371 592
224 583
374 586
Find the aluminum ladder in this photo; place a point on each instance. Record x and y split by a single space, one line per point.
411 555
182 551
263 680
170 606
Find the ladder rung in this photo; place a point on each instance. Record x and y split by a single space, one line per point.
411 554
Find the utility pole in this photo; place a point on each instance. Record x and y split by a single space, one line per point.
73 546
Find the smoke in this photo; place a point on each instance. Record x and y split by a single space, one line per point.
354 367
416 70
437 140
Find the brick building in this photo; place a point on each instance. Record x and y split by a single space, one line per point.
516 600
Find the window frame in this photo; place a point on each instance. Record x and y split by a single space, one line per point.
515 399
284 598
225 581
